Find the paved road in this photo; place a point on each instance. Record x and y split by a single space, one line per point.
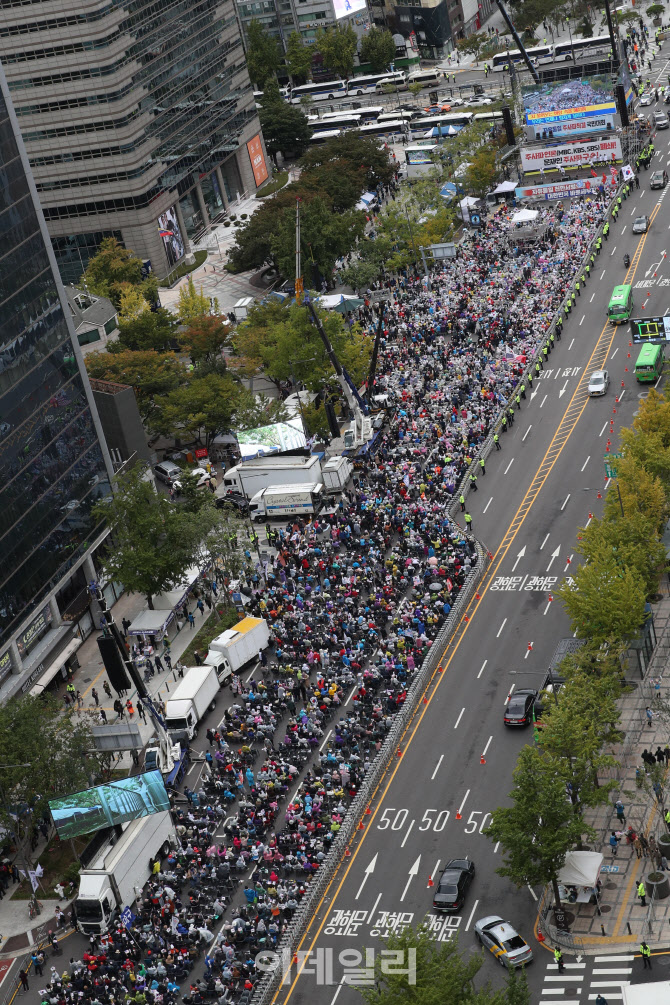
546 481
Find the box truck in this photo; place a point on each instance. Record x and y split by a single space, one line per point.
119 869
336 473
237 646
265 472
190 701
305 499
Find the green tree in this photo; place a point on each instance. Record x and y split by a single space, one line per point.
360 274
193 303
149 330
378 49
442 973
638 492
540 828
112 267
415 89
205 337
473 43
632 539
151 374
482 173
131 303
352 153
280 340
337 45
222 543
298 57
325 236
52 753
605 599
263 54
655 10
285 129
152 543
198 410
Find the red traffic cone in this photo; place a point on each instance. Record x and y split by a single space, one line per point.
530 647
368 811
482 760
425 700
477 597
398 752
568 561
540 936
361 826
459 816
430 882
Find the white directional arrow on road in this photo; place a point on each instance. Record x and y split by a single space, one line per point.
519 557
370 869
554 555
656 267
562 391
412 873
532 394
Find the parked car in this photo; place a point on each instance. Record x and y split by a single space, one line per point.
201 475
167 471
519 708
661 120
659 179
503 940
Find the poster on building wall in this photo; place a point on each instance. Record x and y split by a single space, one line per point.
606 150
170 232
258 166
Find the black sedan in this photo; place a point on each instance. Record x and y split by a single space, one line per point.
519 708
454 884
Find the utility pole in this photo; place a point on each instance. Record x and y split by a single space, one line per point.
299 287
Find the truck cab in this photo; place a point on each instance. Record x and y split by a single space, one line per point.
220 662
95 905
181 723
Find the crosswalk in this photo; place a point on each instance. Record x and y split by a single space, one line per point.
582 981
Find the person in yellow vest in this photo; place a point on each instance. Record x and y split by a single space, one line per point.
642 893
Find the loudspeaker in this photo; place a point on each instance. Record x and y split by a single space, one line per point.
621 102
332 420
114 665
509 127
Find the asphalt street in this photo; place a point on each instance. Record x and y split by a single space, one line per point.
456 759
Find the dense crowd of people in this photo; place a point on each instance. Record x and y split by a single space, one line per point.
354 600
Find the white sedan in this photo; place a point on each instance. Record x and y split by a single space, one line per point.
599 381
200 473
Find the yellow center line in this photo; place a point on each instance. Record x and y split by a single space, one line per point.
573 412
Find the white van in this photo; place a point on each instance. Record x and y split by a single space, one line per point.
427 78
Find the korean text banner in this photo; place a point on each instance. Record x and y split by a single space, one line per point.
108 805
601 151
566 100
566 189
575 127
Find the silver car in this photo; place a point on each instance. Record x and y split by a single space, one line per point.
503 940
167 471
641 225
599 381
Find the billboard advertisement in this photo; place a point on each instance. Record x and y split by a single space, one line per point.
343 8
271 439
606 150
170 232
108 805
574 127
419 155
258 165
568 100
567 189
654 330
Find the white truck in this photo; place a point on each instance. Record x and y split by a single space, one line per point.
304 499
116 875
237 646
336 473
190 701
267 472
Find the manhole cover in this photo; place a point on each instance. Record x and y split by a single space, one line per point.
87 680
606 908
663 961
610 885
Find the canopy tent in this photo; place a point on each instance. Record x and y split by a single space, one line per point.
468 202
173 598
449 190
369 198
503 187
525 216
442 131
581 868
151 622
339 302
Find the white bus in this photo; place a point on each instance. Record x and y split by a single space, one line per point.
335 120
488 117
443 121
327 134
327 90
370 83
390 129
427 78
582 46
538 54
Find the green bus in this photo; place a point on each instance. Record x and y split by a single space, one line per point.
621 304
649 365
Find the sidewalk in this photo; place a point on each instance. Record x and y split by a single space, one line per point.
623 920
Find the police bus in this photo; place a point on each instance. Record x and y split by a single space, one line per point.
537 54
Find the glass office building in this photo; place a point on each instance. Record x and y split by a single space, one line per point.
138 118
53 464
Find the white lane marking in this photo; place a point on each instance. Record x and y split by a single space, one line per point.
626 970
487 505
460 808
437 866
407 834
437 767
460 716
614 353
592 296
544 542
532 891
613 959
353 690
571 344
526 433
583 320
603 272
624 391
528 651
501 628
488 744
374 909
566 502
603 430
508 466
482 669
586 462
472 914
543 401
326 740
509 694
624 229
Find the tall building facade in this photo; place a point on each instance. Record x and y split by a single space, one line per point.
138 118
53 462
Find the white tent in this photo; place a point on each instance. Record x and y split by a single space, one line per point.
330 300
151 622
525 216
581 868
503 187
468 202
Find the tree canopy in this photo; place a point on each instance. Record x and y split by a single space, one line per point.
205 337
298 57
193 303
147 330
263 53
285 128
337 45
377 49
152 374
112 269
